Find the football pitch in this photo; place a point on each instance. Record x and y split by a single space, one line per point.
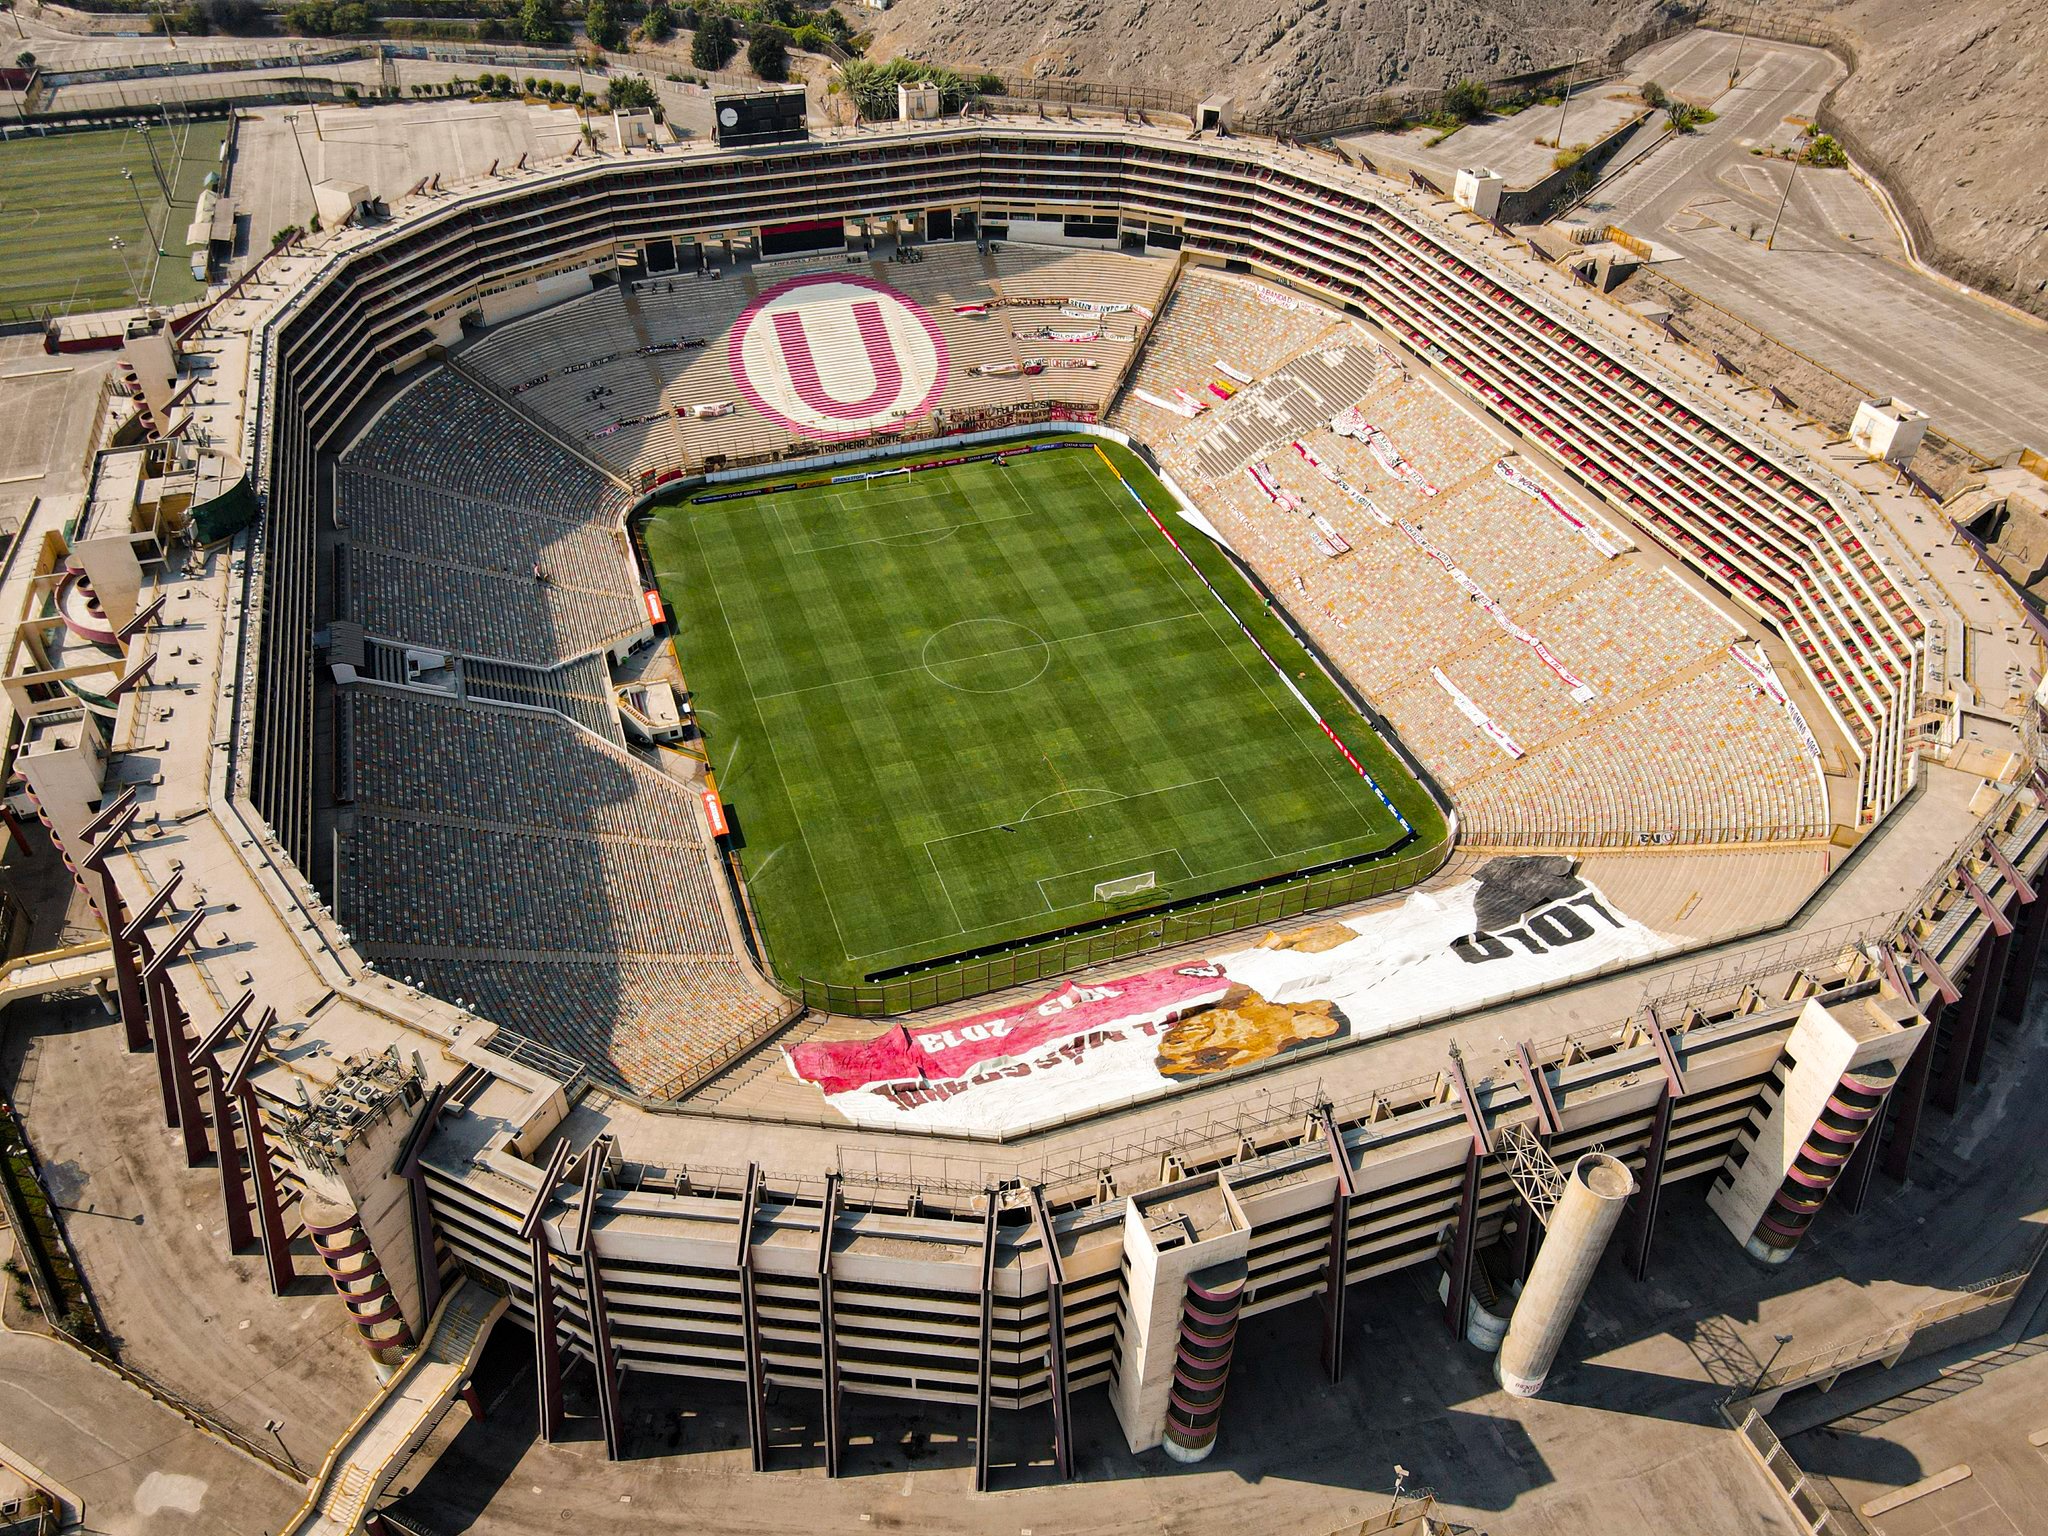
62 197
945 708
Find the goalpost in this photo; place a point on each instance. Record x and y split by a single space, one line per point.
1125 885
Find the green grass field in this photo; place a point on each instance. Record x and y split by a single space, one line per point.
62 197
942 707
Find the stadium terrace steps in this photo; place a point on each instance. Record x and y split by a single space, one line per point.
1705 757
516 861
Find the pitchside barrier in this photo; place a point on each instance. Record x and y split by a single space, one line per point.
1032 963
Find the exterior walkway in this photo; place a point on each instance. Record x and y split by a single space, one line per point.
401 1416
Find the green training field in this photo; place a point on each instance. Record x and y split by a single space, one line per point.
944 706
62 197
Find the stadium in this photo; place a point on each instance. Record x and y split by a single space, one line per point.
936 763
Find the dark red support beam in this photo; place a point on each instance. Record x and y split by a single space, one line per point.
1950 992
1909 1098
1464 1244
1055 1335
270 1231
234 1190
828 1335
2026 957
1967 1019
1993 914
1650 1186
603 1359
141 618
127 963
1337 1259
1537 1085
1994 991
547 1323
750 1321
984 1380
2022 887
173 1050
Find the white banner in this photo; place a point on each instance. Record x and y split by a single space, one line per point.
1759 667
1475 714
1178 407
1522 481
1519 922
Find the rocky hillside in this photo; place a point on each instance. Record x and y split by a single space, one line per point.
1945 105
1270 56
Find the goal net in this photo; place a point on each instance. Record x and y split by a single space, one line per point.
1126 885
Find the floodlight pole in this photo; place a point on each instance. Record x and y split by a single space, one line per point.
1742 42
129 177
1565 105
293 119
1791 177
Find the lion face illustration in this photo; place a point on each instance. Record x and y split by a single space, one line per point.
1241 1028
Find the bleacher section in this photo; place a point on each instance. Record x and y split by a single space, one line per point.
621 371
540 874
1455 593
465 530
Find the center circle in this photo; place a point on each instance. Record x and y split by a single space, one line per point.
986 656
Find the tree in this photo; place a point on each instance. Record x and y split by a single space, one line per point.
1684 117
659 24
235 15
354 18
1826 153
1467 100
712 44
602 26
768 53
539 25
630 93
24 60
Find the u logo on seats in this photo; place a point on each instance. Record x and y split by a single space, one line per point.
833 357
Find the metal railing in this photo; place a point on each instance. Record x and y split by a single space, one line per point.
1141 936
1816 1503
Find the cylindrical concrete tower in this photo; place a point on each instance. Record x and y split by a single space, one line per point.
1579 1227
1843 1121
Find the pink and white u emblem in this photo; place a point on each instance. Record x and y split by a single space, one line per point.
834 357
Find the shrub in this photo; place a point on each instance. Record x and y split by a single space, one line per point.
1653 93
630 93
1826 153
1467 100
1684 117
602 26
539 25
659 24
354 18
713 43
1565 159
873 86
768 53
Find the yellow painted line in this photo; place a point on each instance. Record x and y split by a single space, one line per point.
1912 1491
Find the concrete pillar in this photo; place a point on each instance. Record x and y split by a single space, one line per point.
1584 1218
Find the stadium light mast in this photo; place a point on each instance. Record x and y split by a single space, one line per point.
1790 177
120 248
129 177
299 145
1741 42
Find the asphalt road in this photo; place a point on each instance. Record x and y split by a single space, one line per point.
1836 285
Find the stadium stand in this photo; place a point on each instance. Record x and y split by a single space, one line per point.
1430 607
505 549
511 859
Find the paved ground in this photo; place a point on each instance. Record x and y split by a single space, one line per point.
135 1465
1987 1414
1520 146
136 1214
50 400
1836 285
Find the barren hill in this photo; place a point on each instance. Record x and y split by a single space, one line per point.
1295 56
1945 104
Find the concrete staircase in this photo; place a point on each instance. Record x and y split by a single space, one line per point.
401 1416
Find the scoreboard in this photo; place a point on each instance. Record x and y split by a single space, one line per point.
758 117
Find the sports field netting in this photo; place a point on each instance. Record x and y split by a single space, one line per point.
945 707
62 196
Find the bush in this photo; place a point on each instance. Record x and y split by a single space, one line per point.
1467 100
713 43
630 93
539 26
354 19
812 38
1565 159
1826 153
602 26
1653 93
873 86
659 24
768 53
1684 117
235 15
289 232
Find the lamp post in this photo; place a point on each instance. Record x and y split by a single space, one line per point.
1790 177
120 248
1757 1385
129 177
1741 42
299 145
